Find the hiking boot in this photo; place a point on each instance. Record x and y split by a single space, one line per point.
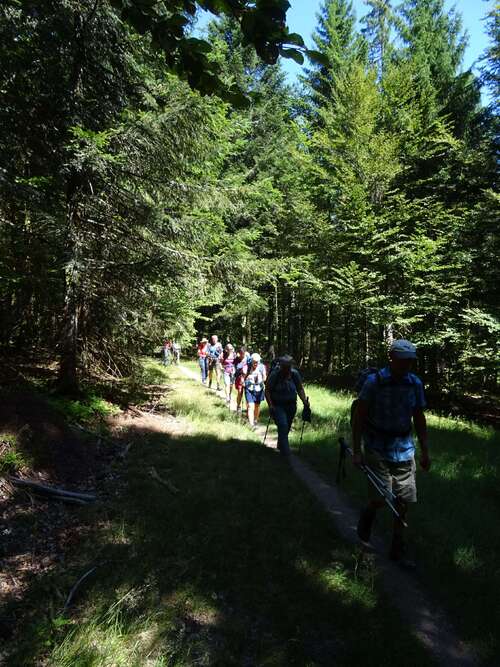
218 388
398 553
365 524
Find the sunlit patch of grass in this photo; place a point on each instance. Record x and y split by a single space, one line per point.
85 410
110 641
11 459
206 412
466 559
151 371
337 579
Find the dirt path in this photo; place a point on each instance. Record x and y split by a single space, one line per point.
428 621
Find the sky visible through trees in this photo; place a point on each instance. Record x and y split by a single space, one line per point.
301 18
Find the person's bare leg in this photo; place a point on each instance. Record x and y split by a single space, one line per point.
257 413
250 412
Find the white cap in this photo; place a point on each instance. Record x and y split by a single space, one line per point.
403 349
255 357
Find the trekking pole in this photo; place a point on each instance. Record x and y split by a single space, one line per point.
306 417
380 486
301 436
267 429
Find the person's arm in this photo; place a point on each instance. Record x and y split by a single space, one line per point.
269 400
267 392
359 419
420 423
302 394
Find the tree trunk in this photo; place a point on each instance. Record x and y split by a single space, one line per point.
69 352
329 341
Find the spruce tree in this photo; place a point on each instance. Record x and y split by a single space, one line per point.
378 24
337 40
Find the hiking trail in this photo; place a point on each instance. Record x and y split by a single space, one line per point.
428 620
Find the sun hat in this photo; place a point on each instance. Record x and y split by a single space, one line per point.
403 349
255 357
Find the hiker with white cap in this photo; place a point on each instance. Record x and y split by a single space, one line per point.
390 400
254 388
282 388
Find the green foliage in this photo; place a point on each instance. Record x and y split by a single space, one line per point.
11 459
88 409
262 25
323 222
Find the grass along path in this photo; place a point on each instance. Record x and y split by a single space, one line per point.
239 567
429 622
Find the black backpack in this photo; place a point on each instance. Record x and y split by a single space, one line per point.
363 375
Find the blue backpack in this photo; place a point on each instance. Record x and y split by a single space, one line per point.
214 351
363 375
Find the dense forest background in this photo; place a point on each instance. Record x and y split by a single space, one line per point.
322 219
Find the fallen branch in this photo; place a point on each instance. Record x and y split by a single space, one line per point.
75 587
165 482
136 411
53 490
123 454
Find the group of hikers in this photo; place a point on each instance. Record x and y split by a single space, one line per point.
170 352
390 403
253 381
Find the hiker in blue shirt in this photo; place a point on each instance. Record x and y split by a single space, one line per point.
282 388
214 355
389 401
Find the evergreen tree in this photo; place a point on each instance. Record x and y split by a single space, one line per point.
336 39
434 40
491 59
378 25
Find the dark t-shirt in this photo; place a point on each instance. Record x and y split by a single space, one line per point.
284 389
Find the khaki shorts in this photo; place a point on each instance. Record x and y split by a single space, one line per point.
400 477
